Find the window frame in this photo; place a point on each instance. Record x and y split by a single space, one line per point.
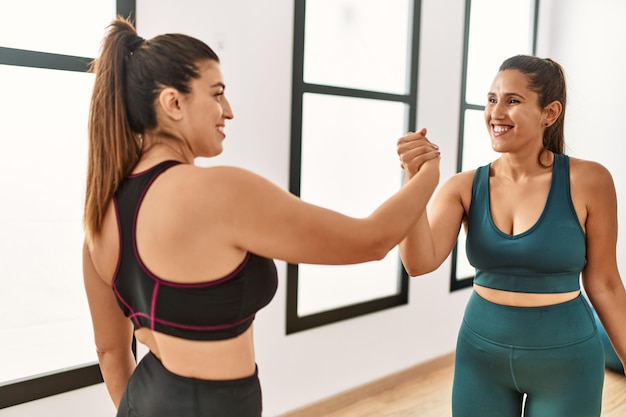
55 382
295 323
456 282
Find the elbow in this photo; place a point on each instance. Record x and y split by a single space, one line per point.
417 270
372 251
412 271
377 252
415 267
105 354
106 351
601 285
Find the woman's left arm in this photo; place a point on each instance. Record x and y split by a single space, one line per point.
600 277
113 332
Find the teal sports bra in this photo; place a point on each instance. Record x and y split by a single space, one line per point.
547 258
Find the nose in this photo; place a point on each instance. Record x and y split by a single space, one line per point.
227 110
497 110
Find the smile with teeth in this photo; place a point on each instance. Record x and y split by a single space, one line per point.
501 128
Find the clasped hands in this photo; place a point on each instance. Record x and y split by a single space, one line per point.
415 150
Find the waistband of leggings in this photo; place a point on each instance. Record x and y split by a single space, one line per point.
552 325
156 366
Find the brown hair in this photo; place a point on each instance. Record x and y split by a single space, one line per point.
547 79
130 73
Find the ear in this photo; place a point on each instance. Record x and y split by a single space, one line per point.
552 112
169 101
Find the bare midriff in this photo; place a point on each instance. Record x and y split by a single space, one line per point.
520 299
209 360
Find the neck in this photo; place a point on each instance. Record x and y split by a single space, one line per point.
164 147
522 168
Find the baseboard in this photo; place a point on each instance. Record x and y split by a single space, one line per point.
349 397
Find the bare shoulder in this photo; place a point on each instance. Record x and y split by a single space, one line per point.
216 175
195 182
590 167
589 175
203 173
223 188
591 186
455 193
462 179
459 184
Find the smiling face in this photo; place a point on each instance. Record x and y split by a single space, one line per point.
513 116
206 110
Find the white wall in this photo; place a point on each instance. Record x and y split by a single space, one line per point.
256 58
588 38
254 41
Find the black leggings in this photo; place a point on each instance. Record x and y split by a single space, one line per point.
552 356
153 391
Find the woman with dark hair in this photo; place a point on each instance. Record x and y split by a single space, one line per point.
535 220
182 256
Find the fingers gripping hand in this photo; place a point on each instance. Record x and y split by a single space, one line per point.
414 149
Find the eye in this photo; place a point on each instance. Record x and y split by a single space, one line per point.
514 101
491 100
219 95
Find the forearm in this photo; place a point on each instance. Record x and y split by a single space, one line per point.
610 305
398 215
116 368
417 250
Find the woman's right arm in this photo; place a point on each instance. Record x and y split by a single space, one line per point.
262 218
431 239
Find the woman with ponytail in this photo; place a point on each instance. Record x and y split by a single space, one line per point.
536 220
182 256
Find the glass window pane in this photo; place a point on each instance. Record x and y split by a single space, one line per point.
323 288
44 317
463 268
66 27
349 164
358 44
477 150
498 30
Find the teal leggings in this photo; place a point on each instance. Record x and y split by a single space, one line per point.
528 361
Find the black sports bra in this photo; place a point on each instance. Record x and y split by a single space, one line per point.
213 310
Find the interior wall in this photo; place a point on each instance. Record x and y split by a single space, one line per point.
256 57
254 41
587 38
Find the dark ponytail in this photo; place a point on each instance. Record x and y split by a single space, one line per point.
130 73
